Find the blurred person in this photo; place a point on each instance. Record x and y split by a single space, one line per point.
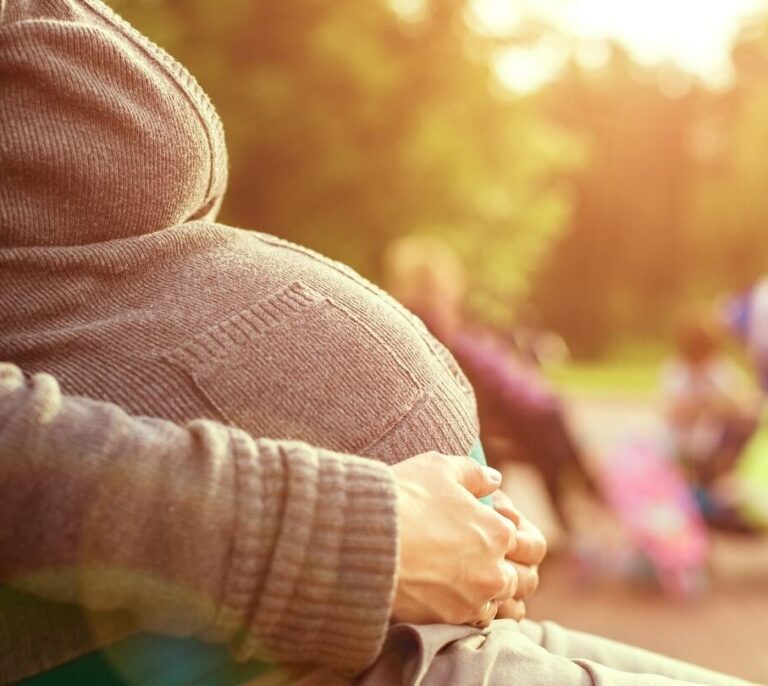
116 278
521 415
707 400
710 409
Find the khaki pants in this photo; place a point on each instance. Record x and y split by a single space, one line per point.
528 653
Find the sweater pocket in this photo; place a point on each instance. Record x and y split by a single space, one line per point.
300 366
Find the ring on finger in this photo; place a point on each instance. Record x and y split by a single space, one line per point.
487 613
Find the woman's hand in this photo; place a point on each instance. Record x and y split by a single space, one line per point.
453 549
525 556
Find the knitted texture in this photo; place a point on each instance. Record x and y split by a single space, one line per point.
286 551
114 280
116 136
190 319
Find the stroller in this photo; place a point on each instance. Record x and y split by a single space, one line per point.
650 495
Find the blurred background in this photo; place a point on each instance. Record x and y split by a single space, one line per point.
590 172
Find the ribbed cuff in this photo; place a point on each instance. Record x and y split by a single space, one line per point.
314 561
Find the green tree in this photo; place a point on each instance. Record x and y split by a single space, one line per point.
620 266
728 212
349 125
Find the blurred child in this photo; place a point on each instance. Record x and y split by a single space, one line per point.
708 403
712 414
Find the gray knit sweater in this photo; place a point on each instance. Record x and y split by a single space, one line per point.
278 548
114 279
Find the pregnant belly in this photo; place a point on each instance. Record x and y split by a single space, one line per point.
303 365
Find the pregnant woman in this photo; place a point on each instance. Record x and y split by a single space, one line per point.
115 280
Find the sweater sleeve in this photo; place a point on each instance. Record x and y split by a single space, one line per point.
284 551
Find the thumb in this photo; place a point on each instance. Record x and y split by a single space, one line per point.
480 481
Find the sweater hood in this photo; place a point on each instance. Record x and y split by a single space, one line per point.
103 134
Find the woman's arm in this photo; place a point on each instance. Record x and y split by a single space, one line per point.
282 549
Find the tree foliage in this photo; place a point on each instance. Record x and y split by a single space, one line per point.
621 260
612 198
728 212
349 125
671 206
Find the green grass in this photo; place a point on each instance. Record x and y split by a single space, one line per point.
632 371
636 377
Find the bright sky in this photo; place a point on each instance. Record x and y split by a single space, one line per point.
695 35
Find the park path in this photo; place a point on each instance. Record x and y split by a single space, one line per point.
604 421
726 629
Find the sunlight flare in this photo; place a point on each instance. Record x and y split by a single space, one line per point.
693 35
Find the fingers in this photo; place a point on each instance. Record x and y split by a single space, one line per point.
511 582
502 503
509 604
520 581
435 583
510 534
511 609
531 545
478 480
528 550
486 614
527 580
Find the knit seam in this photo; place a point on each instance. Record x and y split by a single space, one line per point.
370 287
204 350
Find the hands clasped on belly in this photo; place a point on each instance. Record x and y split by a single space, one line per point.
461 562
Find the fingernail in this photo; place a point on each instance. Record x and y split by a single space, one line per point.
494 475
